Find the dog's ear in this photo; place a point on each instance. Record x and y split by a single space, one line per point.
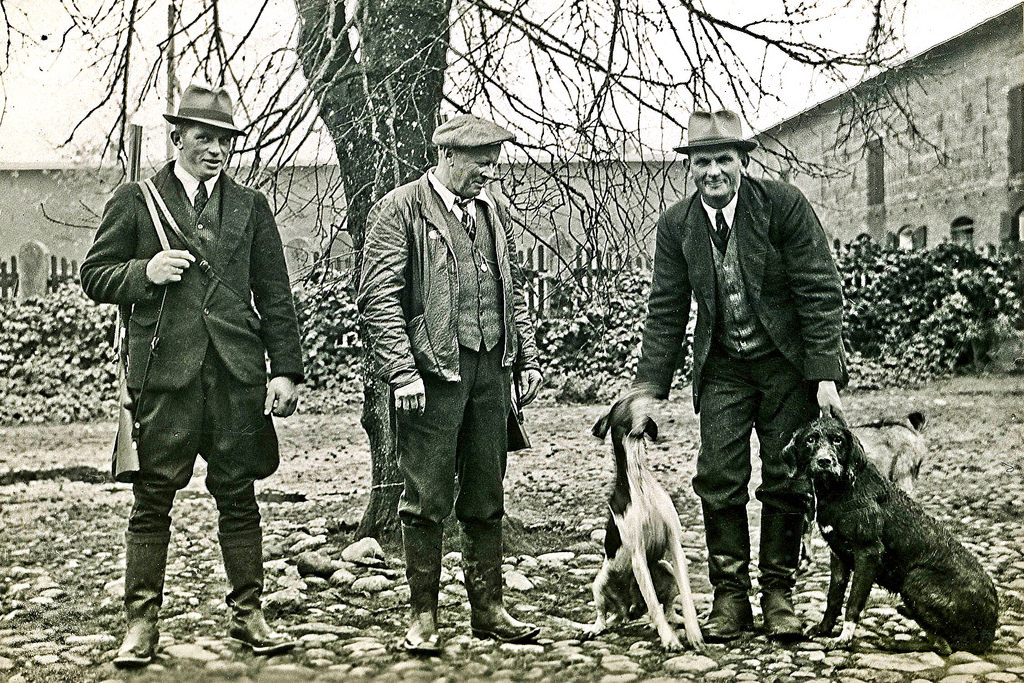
856 460
791 453
600 429
917 421
651 429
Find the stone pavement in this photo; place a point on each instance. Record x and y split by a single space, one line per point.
347 608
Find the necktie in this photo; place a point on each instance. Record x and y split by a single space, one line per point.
202 196
469 218
721 231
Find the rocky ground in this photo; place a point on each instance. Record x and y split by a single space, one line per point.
62 557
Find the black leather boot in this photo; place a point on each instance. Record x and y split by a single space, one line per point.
482 565
422 543
243 563
728 539
781 534
145 562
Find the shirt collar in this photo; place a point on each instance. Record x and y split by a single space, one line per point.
729 210
191 183
450 200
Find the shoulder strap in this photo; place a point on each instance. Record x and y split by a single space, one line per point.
154 196
147 187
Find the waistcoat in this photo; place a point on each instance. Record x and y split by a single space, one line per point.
479 315
739 331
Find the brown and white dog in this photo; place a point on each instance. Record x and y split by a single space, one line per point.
880 535
644 562
897 447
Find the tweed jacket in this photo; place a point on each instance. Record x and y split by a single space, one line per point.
787 270
245 326
408 289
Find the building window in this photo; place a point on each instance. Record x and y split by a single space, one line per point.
913 239
1015 111
962 232
876 173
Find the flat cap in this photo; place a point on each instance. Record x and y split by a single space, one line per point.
467 130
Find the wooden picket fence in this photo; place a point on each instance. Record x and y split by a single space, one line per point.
61 270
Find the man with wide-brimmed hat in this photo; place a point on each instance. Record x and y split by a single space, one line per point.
206 312
767 356
448 326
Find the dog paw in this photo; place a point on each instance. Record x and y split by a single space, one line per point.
843 640
671 643
819 630
696 642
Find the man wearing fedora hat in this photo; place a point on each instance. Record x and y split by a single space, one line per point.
767 356
448 325
207 312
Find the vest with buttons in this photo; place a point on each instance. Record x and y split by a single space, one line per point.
479 316
739 331
209 220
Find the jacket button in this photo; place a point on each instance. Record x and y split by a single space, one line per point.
200 226
206 311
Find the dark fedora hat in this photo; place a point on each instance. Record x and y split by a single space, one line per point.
714 129
203 104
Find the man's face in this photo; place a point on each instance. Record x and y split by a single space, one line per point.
472 168
203 150
716 173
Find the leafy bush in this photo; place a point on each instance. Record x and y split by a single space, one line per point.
57 359
330 337
925 313
590 348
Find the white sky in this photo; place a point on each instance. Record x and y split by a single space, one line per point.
45 92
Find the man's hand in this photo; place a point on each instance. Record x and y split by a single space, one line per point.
531 381
167 266
641 409
411 397
282 397
828 400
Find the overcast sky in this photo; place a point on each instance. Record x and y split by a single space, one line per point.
46 93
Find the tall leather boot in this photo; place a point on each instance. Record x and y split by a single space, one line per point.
781 534
146 560
728 539
243 563
422 543
482 566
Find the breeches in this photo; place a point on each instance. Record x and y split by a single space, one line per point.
768 396
213 416
461 434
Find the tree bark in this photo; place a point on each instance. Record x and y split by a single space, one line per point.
381 108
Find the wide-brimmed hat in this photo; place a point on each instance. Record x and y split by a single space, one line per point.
714 129
203 104
467 130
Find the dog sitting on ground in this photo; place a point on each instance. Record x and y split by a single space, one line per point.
897 447
644 562
879 534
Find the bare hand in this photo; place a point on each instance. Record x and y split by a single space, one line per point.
642 409
532 381
411 397
828 400
282 397
167 266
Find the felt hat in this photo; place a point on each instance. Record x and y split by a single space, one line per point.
714 129
467 130
203 104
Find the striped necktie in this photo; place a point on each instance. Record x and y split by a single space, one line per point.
469 217
202 196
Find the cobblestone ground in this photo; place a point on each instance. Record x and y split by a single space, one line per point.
62 557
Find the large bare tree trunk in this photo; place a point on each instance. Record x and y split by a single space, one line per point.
381 110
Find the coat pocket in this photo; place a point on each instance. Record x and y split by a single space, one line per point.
422 350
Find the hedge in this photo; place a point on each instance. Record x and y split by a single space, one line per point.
909 317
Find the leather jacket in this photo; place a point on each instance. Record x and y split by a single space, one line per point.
409 289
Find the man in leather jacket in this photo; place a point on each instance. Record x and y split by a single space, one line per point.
448 326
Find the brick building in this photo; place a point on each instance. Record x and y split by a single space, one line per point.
963 182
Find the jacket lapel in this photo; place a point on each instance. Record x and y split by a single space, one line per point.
235 209
750 232
697 249
432 211
174 197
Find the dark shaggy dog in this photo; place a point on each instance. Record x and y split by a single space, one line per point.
644 564
882 536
